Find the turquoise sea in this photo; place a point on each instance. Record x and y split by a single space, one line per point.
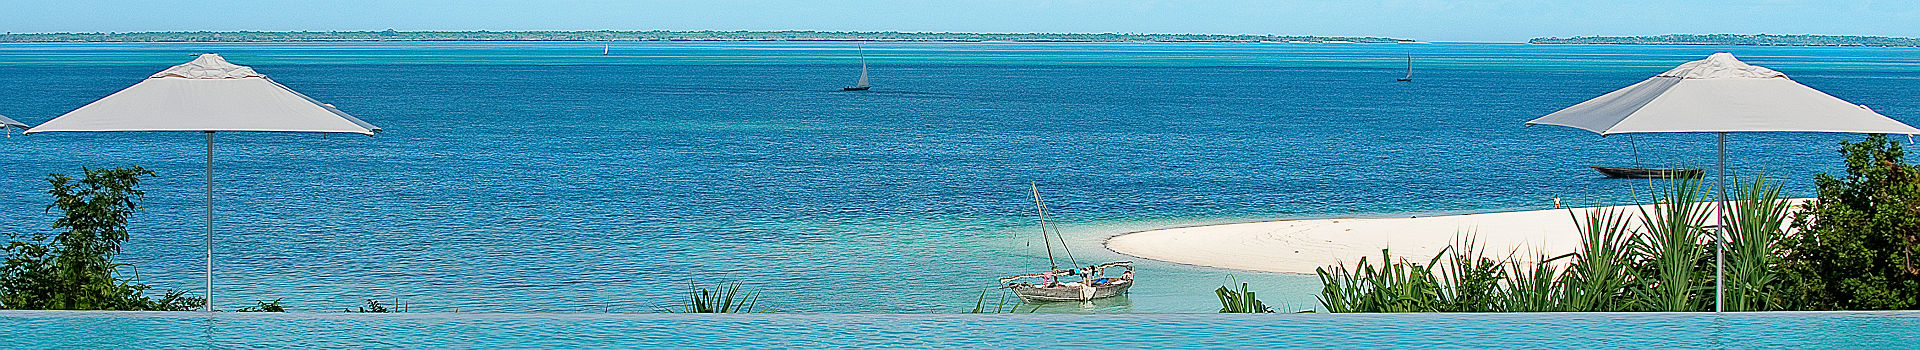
518 178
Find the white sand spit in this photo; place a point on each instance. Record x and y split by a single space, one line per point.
1300 246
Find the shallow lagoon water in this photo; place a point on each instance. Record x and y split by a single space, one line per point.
545 177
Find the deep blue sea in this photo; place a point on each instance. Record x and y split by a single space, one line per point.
547 177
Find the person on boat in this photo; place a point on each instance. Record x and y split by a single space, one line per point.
1046 279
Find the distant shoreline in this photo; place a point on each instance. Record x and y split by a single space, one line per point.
696 36
1737 40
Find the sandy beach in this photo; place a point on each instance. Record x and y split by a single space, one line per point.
1300 246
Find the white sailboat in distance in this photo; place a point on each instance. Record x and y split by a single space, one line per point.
860 85
1409 76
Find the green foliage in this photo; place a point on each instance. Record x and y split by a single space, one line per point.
1401 286
1533 286
1755 243
1241 301
373 307
1673 249
74 270
1659 262
264 307
1598 277
1857 245
1472 280
980 306
722 299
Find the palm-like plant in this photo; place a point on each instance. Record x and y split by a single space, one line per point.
722 299
1534 286
1672 247
1401 286
1598 277
1754 236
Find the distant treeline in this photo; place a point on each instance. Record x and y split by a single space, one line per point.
1736 39
659 35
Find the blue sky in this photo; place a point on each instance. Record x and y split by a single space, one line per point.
1433 20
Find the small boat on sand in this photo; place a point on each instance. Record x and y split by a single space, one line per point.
1647 173
1092 281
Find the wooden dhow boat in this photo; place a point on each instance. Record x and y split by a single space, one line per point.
1647 173
1093 284
1086 283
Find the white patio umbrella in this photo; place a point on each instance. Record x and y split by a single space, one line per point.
207 95
10 123
1720 94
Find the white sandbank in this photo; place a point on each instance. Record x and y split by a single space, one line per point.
1300 246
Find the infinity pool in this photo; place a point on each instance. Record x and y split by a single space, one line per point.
99 330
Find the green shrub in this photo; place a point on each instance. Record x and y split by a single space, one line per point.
1659 262
721 299
374 307
1857 244
264 307
1241 301
75 269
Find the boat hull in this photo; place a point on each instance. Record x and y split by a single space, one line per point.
1069 291
856 88
1646 173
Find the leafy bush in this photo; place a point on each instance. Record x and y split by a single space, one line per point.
373 307
264 307
1858 242
74 270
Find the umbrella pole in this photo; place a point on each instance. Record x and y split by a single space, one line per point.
209 306
1720 234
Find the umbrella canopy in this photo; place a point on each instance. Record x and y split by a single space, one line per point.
207 94
6 122
1721 94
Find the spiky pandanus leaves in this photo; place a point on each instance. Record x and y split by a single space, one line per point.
1671 248
720 300
1598 277
1241 301
1755 242
1340 289
1471 280
1401 286
1534 286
